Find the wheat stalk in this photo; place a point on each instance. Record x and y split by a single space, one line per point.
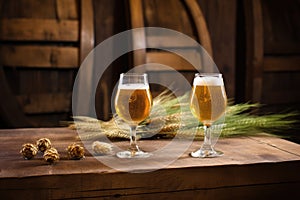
171 117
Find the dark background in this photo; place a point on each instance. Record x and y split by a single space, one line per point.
255 44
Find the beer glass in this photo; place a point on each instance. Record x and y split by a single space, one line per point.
208 103
133 103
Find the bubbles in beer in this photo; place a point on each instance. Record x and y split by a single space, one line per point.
208 100
133 104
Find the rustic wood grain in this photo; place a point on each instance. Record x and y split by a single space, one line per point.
39 29
285 94
45 103
46 9
221 17
281 64
254 52
174 61
200 23
258 167
272 46
10 109
34 9
39 56
87 38
110 17
87 42
178 18
138 37
183 16
281 27
66 9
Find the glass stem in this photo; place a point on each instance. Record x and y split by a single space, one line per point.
207 138
133 144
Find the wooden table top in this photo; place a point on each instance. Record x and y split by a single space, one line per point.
263 154
237 151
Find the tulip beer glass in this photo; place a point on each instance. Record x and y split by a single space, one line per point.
208 103
133 103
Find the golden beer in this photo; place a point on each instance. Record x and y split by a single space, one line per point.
133 105
208 102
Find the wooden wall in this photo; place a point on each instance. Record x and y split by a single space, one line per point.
220 16
110 19
221 19
40 56
281 56
231 34
270 53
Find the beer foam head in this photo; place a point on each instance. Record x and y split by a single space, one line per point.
208 80
137 86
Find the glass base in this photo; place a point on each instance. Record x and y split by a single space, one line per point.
206 153
133 154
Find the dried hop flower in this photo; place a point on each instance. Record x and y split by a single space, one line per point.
101 148
28 151
43 144
51 155
75 151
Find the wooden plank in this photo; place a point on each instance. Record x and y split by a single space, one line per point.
28 9
281 64
50 119
108 13
87 39
201 26
45 9
178 18
85 80
286 92
281 97
138 37
171 60
251 168
281 48
25 29
223 42
278 144
259 150
169 80
281 31
11 111
39 56
254 53
67 9
33 80
167 41
172 184
45 103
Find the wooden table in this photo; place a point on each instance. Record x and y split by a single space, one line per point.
251 168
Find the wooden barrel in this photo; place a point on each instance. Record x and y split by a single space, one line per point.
41 50
184 16
44 42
